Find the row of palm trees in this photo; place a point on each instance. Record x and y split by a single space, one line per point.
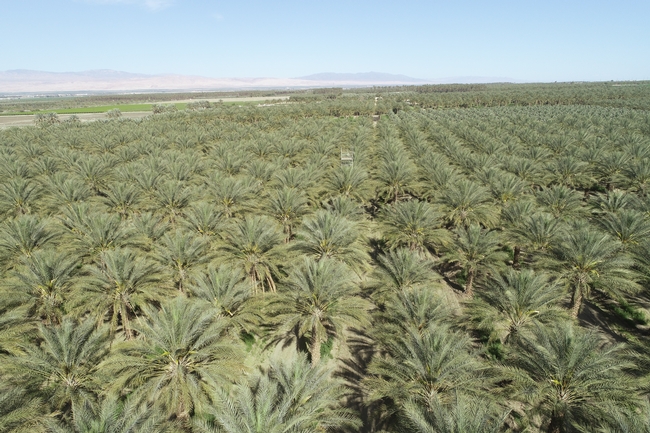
220 270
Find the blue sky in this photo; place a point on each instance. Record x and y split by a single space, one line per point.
531 40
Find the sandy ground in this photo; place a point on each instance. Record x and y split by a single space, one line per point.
27 120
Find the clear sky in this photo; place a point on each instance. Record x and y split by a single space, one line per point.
530 40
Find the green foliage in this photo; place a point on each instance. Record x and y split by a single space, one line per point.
153 271
183 353
288 397
572 378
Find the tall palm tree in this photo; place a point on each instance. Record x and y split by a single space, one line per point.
320 301
512 303
180 254
64 367
120 284
401 269
254 244
464 415
588 259
41 283
425 365
414 224
350 181
115 415
287 205
327 235
227 292
465 203
476 251
182 355
573 380
23 235
289 397
22 412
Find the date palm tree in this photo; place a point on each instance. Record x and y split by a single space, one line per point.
466 414
203 218
327 235
588 259
116 415
350 181
254 245
232 195
415 225
539 232
288 397
401 269
172 196
396 177
122 198
476 251
18 195
320 301
226 291
23 235
629 226
287 205
120 284
89 233
181 355
41 283
63 367
466 202
180 254
571 378
515 301
425 365
561 202
21 412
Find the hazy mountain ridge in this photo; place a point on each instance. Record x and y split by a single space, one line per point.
107 80
363 77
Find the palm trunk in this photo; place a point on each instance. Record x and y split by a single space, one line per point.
314 347
576 302
515 257
557 423
126 323
270 282
469 289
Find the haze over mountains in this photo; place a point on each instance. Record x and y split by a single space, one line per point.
106 80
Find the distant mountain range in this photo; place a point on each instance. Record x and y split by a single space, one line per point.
107 80
363 77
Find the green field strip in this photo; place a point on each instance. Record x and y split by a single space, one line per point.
100 109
